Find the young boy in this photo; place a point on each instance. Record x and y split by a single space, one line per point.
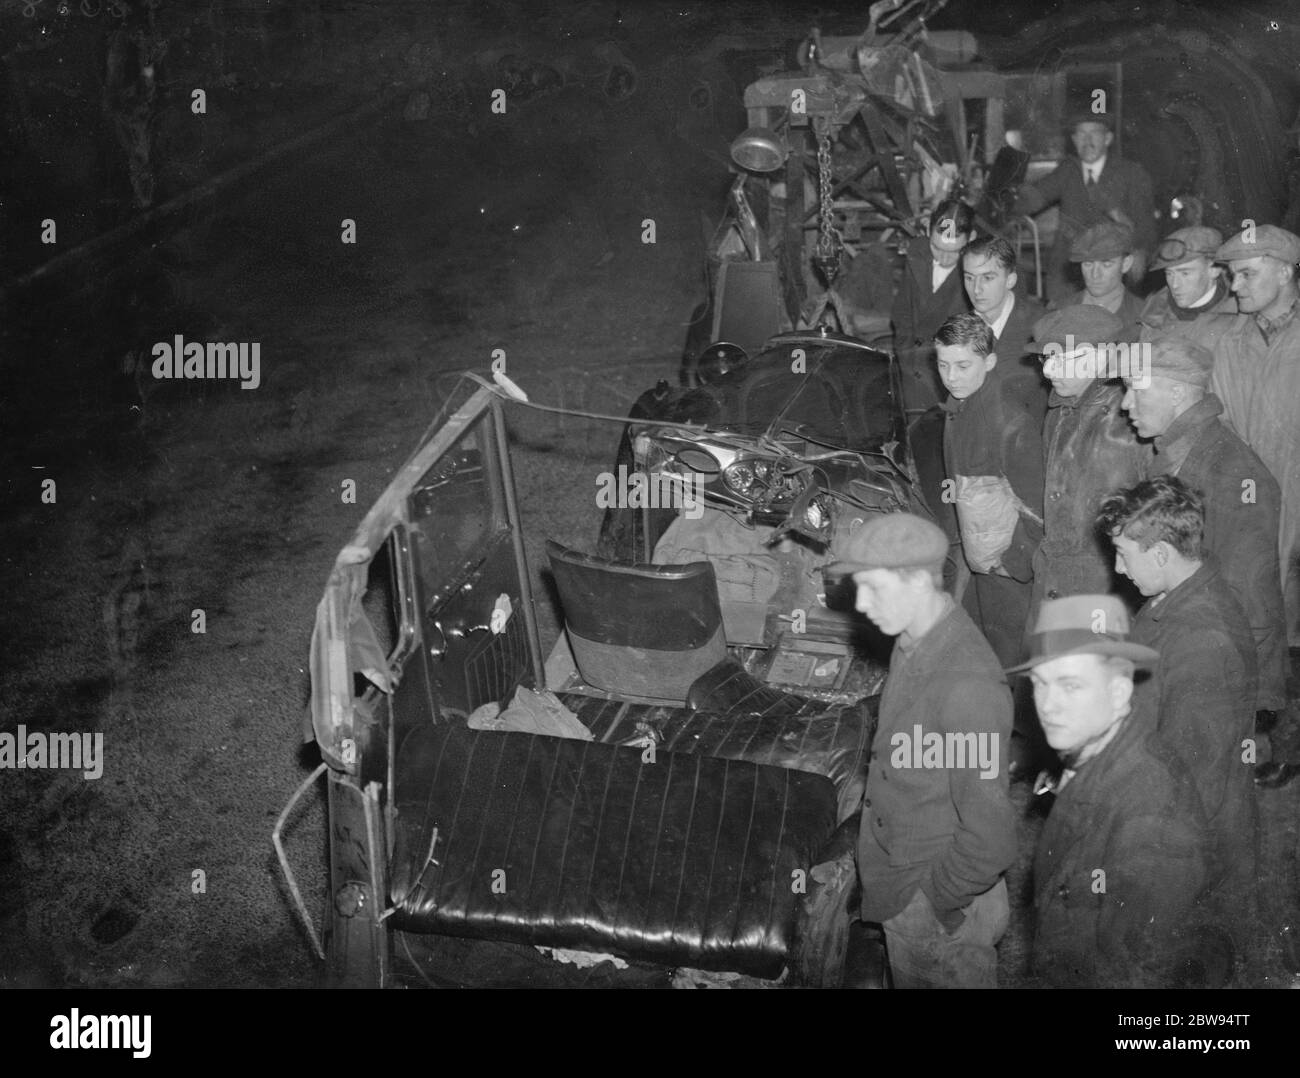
993 456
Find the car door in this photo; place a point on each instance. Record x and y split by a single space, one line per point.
427 614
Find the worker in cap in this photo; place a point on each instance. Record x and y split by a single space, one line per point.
1089 447
1098 185
1257 376
1179 413
1105 254
1124 804
1196 289
937 831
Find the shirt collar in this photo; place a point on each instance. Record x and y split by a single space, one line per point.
1207 408
1271 327
1000 323
1094 169
908 644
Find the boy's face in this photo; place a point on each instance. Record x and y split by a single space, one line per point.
987 284
963 370
946 243
889 598
1101 277
1144 567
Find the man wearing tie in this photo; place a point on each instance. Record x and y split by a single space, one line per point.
1099 186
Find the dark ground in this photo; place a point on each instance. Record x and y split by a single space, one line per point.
475 232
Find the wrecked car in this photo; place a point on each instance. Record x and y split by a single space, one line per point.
674 789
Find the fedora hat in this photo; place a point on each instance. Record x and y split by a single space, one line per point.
1083 625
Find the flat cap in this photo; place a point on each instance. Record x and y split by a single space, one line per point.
1199 241
1072 327
1262 240
893 541
1083 625
1181 360
1108 239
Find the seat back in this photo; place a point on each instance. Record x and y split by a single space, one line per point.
639 630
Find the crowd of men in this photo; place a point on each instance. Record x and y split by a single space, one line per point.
1121 491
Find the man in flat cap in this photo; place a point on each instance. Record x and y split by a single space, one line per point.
1196 302
1105 254
1090 448
1175 409
1257 376
1204 685
1121 860
931 291
1098 186
938 829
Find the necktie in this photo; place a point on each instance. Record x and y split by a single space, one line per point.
1091 181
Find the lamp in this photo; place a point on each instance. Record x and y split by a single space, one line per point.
758 149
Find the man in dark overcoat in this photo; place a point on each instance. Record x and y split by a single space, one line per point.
1121 862
1203 688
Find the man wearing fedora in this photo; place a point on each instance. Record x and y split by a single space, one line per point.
1172 406
1097 186
1196 302
1204 684
1121 860
1105 253
1089 446
936 838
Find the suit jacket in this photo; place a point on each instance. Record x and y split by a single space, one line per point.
1123 185
918 312
1202 695
1130 811
1240 533
950 832
1014 339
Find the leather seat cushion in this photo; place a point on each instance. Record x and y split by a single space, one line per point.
686 861
742 719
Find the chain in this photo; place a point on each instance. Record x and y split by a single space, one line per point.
827 257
